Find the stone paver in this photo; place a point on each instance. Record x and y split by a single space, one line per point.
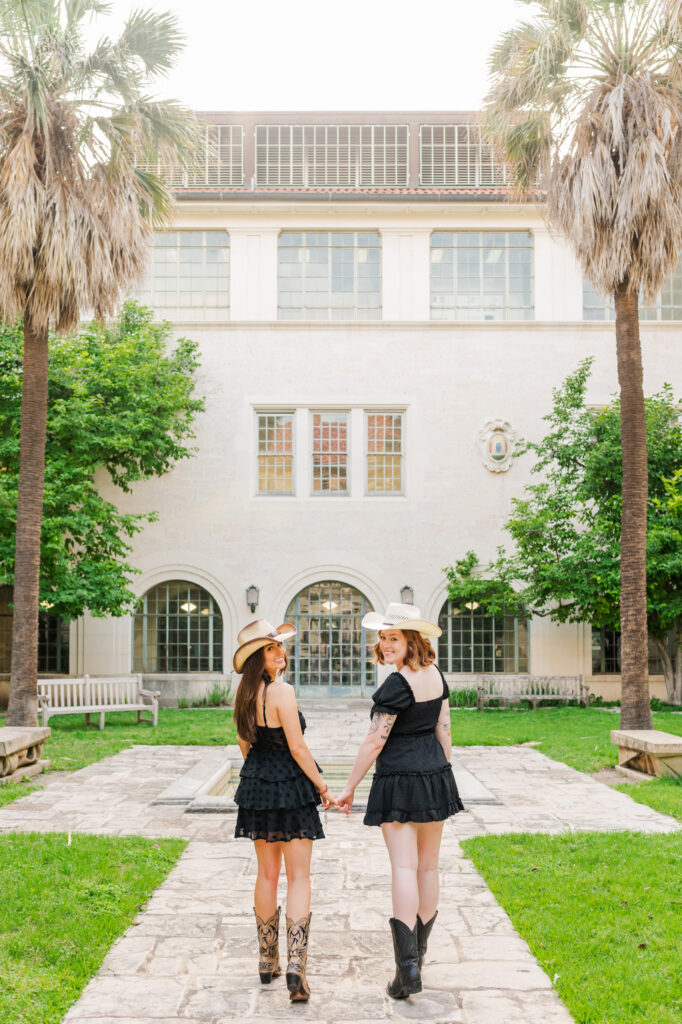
190 956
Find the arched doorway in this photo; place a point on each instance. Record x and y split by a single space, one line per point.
332 653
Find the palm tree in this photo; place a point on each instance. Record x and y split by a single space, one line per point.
586 96
75 219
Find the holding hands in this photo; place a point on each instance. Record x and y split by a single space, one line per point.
328 798
342 803
345 801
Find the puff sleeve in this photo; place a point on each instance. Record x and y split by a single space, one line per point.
393 696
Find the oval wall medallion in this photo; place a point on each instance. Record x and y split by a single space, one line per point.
496 441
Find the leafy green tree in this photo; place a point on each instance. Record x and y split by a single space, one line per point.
120 405
76 215
585 96
566 529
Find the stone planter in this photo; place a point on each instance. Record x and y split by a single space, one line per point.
20 750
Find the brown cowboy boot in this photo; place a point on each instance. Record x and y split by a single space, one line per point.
297 948
268 942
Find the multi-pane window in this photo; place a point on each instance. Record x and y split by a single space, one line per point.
218 160
329 275
457 154
667 306
275 453
384 452
481 275
334 155
177 627
53 638
189 277
606 653
472 641
330 452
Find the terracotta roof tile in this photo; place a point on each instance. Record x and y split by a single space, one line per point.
286 190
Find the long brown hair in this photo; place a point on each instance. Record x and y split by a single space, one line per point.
420 653
245 712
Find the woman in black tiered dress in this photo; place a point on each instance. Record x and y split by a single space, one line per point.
277 797
413 790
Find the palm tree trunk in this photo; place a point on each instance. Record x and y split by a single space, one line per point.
635 708
23 697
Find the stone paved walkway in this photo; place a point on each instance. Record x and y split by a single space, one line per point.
190 957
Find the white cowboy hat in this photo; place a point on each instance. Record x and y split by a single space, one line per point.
401 616
259 634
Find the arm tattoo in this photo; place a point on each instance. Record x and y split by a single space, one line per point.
382 723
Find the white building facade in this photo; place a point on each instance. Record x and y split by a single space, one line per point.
376 321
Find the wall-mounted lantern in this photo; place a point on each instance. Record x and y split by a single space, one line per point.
407 595
252 595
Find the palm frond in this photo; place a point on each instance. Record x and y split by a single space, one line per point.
604 97
166 131
156 202
155 39
75 214
77 10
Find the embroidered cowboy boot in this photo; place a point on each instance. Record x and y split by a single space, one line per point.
423 932
297 949
407 976
268 943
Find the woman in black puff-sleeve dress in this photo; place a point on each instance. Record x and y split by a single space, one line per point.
277 798
413 790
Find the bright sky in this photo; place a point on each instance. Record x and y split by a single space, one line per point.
319 55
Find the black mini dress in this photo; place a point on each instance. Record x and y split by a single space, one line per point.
413 780
276 801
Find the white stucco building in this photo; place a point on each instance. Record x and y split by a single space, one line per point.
367 301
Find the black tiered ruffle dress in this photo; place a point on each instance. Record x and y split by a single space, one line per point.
276 801
413 780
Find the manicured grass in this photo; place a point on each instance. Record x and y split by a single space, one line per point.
664 795
62 908
11 791
602 914
74 745
579 737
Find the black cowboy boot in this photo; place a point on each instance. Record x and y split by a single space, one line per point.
268 943
423 932
297 949
407 977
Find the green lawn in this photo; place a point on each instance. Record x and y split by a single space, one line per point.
579 737
63 905
73 745
664 795
616 896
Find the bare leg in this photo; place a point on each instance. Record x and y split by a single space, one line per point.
429 835
401 842
269 865
297 854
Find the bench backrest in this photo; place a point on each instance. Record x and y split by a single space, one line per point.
540 686
89 692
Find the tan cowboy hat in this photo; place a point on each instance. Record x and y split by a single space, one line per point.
401 616
259 634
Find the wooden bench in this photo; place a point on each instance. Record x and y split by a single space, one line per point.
511 689
648 751
86 696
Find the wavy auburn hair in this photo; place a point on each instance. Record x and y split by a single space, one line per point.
420 653
245 712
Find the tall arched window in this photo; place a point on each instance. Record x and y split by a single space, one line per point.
331 653
53 638
177 627
475 642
